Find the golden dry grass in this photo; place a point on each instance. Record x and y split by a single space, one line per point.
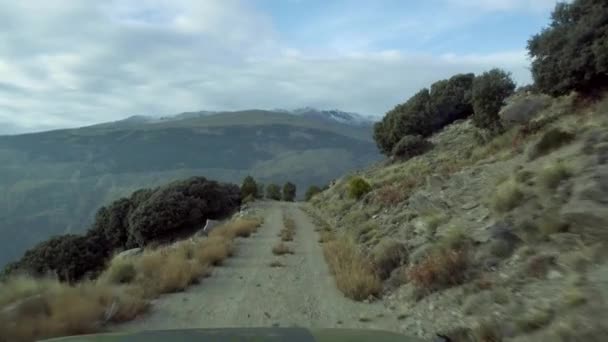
119 294
44 308
354 273
289 229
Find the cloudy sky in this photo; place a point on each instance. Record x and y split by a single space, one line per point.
67 63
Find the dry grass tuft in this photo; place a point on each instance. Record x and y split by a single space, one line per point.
354 273
393 194
550 141
281 249
45 308
552 175
213 251
508 195
120 271
276 263
238 228
387 256
289 229
442 268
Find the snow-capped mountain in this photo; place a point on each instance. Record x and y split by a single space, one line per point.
331 115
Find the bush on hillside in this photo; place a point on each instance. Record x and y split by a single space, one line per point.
312 190
490 90
249 187
69 257
289 192
273 192
181 205
146 216
572 53
410 146
357 187
426 112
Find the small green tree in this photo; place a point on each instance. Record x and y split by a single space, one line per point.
357 187
489 93
249 187
312 190
273 192
572 53
289 192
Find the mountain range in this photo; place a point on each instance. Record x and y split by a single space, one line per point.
53 182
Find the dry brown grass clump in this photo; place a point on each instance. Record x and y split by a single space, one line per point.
289 229
387 256
276 263
35 309
442 268
281 249
393 194
552 175
354 273
238 228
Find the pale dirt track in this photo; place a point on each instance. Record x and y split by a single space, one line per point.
247 292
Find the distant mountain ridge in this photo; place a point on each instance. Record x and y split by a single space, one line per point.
53 182
333 115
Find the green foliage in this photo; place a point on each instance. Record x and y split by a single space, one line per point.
181 205
489 93
410 146
249 187
312 190
357 187
550 141
273 192
572 53
145 217
70 257
289 192
426 112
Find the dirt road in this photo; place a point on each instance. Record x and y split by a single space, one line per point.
247 292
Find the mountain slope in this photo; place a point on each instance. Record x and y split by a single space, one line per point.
53 182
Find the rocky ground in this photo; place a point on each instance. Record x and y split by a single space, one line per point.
532 205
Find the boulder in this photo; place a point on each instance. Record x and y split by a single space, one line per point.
522 109
129 253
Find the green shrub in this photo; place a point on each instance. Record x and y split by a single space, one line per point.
273 192
572 53
69 257
357 187
550 141
550 176
312 190
289 192
508 195
426 112
410 146
249 187
489 93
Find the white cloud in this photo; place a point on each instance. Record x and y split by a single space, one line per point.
75 63
507 5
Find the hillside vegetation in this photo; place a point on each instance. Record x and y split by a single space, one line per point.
489 221
53 182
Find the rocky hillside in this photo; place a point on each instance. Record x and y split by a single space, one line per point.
53 182
505 236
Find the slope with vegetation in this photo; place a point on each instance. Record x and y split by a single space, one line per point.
495 230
